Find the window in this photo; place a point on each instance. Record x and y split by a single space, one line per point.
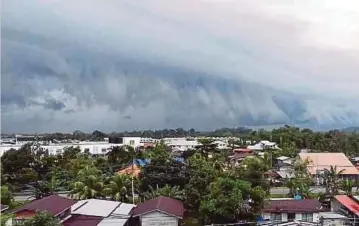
307 217
291 216
132 142
276 217
104 150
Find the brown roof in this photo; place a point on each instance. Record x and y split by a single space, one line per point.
83 220
161 203
293 206
53 204
321 161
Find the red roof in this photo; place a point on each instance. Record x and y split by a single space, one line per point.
83 220
349 203
161 203
293 206
242 150
53 204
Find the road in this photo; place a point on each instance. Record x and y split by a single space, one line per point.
25 197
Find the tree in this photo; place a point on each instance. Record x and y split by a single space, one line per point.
173 192
253 170
332 180
301 181
42 219
88 184
119 188
347 186
6 196
162 170
230 200
202 174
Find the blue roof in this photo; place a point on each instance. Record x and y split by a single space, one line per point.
143 162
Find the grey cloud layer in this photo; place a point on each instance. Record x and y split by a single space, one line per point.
138 66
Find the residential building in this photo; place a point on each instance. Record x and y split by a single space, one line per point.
347 206
239 154
58 206
181 144
288 210
263 145
318 162
159 211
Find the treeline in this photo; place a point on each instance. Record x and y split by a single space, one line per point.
332 141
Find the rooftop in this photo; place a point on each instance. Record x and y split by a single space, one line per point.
161 203
321 161
53 204
292 205
95 207
349 203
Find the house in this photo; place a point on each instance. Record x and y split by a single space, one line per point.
239 154
96 212
159 211
318 162
284 161
333 219
288 210
347 206
263 145
56 205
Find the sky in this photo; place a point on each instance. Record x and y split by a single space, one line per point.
117 65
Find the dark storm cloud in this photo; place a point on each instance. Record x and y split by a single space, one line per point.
116 65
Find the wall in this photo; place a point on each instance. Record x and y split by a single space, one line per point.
157 218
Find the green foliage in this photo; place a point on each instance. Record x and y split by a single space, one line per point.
88 184
120 187
332 180
252 170
4 218
347 186
173 192
42 219
162 170
230 200
202 174
300 183
6 196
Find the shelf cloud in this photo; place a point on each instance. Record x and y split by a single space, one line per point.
122 65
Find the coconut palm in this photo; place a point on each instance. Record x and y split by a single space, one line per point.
173 192
119 187
88 184
347 186
331 177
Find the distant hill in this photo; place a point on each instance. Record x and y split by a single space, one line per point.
352 129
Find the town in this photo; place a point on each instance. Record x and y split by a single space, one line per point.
286 176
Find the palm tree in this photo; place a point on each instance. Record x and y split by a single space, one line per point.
332 179
173 192
119 187
347 186
88 184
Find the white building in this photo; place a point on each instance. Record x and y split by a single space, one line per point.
181 144
93 147
263 145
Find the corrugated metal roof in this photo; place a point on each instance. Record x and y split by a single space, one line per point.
123 209
81 220
96 207
349 203
285 206
53 204
321 161
165 204
110 221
